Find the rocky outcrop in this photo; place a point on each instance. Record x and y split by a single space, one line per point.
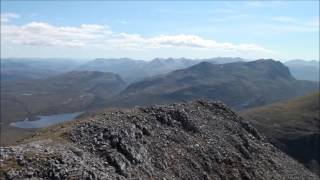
196 140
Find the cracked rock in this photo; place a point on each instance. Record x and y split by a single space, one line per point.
196 140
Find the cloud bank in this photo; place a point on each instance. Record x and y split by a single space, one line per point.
96 39
98 36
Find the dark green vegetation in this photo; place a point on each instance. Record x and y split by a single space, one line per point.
196 140
292 126
240 85
69 92
304 70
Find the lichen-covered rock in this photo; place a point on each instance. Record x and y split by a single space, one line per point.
196 140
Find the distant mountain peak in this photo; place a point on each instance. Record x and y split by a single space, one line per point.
203 66
272 68
239 84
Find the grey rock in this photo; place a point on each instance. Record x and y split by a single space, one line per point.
196 140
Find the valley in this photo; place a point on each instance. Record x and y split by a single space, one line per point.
66 93
31 108
159 90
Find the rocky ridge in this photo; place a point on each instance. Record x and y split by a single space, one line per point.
195 140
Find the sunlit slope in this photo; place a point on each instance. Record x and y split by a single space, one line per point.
293 126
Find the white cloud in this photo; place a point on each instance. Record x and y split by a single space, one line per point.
101 37
7 17
193 41
43 34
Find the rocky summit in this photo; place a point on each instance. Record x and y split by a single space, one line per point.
195 140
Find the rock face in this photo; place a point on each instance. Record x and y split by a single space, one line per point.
196 140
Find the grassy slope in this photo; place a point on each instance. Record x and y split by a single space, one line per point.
292 126
299 115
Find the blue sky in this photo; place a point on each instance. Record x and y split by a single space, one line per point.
144 30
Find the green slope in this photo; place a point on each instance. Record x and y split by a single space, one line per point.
293 126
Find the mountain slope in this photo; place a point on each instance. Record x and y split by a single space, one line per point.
67 92
240 85
130 70
196 140
293 126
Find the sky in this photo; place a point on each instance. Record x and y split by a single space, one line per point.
281 30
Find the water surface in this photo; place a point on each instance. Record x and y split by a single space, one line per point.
45 121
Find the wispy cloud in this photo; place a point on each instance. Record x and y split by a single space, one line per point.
292 24
198 42
261 4
7 17
284 19
254 3
124 22
313 23
101 36
233 17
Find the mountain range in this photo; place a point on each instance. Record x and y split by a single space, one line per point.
239 84
130 70
259 89
35 68
135 70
